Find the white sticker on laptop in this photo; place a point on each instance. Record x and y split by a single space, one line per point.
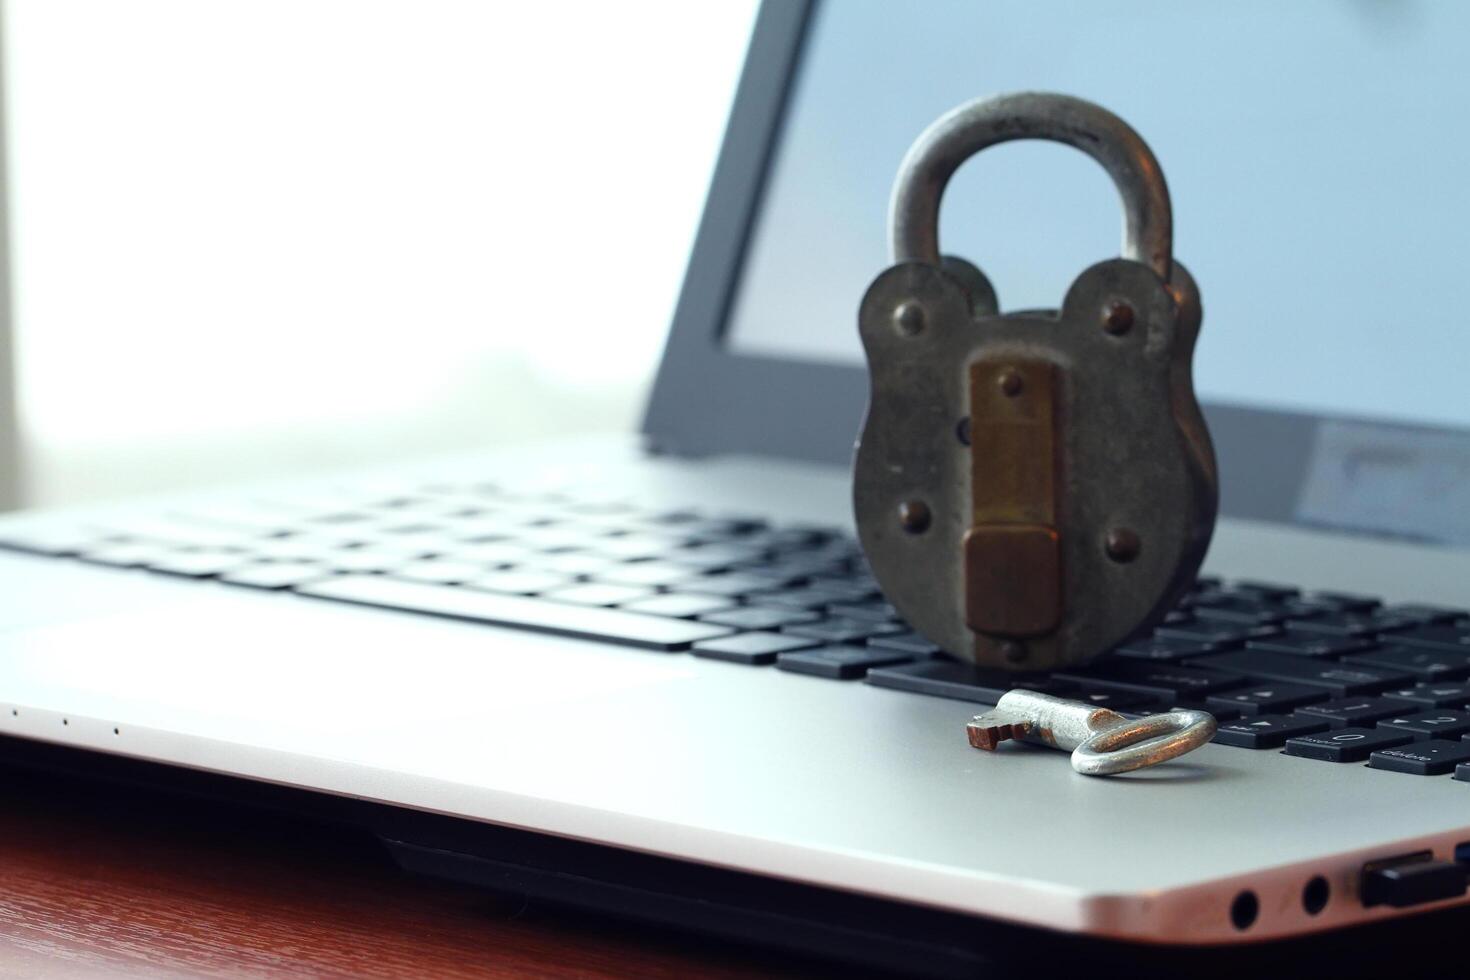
1386 479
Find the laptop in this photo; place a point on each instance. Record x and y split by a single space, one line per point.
651 674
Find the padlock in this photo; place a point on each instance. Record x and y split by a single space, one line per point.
1032 488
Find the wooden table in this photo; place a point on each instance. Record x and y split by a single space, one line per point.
98 882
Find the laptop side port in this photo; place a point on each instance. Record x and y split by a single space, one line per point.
1411 879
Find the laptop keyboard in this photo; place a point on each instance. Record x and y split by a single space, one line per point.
1320 675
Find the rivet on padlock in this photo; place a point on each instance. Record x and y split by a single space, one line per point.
1032 488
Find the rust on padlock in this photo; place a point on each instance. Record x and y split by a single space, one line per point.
1012 553
1067 481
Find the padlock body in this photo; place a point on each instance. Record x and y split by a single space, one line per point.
1064 463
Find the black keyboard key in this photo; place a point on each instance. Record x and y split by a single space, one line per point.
1352 623
1227 600
1345 744
1341 680
907 642
838 662
607 625
1426 614
874 609
1430 724
1259 619
721 526
1267 731
1312 644
848 587
1343 601
1235 609
1432 695
1268 591
680 605
1434 757
738 584
299 548
601 508
499 554
1303 608
1214 633
716 557
362 560
751 648
123 555
803 599
675 517
1162 648
1220 712
518 582
1268 698
439 571
795 568
575 564
1441 636
597 594
643 574
760 617
1117 700
963 682
204 563
1162 679
798 536
843 630
631 547
842 592
1353 712
1420 663
558 538
276 575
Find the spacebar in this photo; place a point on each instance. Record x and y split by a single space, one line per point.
607 625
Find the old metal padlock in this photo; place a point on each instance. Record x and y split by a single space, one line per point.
1032 488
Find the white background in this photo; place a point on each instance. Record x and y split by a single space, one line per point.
257 236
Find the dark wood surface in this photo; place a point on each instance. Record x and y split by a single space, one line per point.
102 882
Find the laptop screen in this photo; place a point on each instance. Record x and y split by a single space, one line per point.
1316 152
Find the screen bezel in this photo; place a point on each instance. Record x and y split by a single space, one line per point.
711 399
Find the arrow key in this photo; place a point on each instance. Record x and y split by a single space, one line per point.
1430 724
1353 712
1268 698
1433 695
1267 731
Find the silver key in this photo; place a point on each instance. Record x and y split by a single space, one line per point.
1102 742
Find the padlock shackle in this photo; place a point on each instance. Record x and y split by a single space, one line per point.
1148 223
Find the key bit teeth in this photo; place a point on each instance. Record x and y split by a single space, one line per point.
986 735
